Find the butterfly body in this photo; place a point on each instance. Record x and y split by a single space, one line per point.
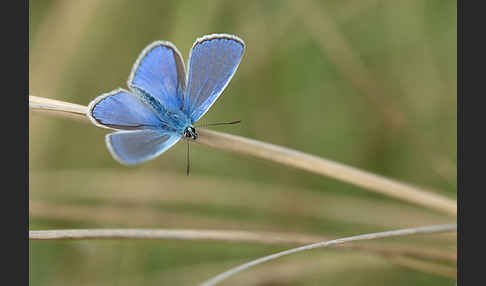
164 102
171 119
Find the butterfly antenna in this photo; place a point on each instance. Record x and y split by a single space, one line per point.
188 161
220 123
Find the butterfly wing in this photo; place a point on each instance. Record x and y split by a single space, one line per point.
159 72
121 110
212 62
133 147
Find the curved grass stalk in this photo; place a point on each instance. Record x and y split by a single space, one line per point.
394 233
285 156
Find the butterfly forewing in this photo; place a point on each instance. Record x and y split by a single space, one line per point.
212 62
119 109
159 72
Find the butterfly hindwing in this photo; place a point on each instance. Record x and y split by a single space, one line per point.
159 72
132 147
212 62
119 109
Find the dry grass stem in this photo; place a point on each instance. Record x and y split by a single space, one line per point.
397 254
285 156
394 233
178 234
56 107
327 168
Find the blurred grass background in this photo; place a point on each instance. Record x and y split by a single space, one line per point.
367 83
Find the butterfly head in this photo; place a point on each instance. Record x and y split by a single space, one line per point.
190 133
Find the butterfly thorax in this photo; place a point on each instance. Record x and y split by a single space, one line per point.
170 119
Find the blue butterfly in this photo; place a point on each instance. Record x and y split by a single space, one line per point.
163 103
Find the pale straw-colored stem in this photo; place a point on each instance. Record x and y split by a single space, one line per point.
394 233
234 236
57 107
285 156
325 167
177 234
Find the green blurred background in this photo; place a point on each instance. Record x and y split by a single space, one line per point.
367 83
